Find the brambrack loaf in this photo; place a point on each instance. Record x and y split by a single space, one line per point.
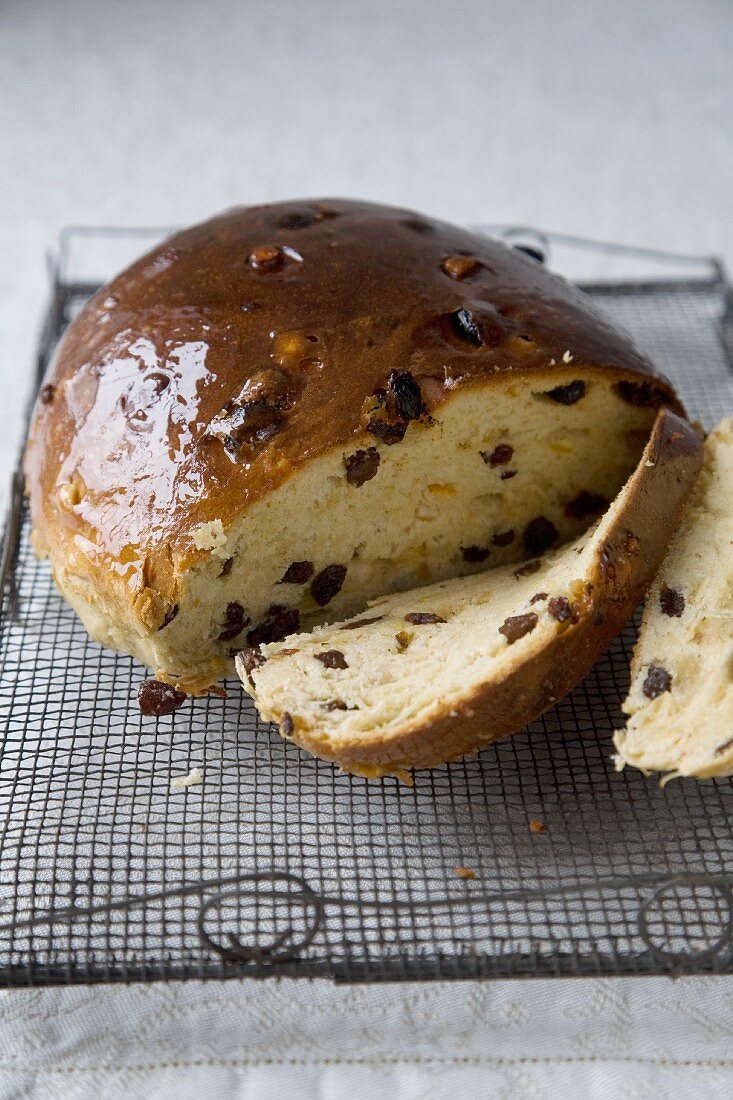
291 409
680 705
426 676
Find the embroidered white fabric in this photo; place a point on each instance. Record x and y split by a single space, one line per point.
236 1040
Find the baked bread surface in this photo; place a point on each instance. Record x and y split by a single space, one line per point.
680 704
426 676
289 409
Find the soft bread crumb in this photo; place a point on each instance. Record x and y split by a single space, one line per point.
209 536
536 825
193 779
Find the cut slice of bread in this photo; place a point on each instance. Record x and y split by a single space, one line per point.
680 704
429 675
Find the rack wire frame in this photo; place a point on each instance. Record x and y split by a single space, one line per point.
277 864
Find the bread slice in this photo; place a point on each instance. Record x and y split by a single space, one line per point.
680 704
429 675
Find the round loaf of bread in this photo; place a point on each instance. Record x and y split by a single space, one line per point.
292 409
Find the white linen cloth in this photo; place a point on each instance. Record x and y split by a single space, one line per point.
288 1040
608 120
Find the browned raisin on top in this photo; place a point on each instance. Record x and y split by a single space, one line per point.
585 504
245 425
464 326
332 658
503 538
226 567
569 394
474 553
539 535
362 466
500 455
298 572
328 583
538 597
560 609
459 267
657 681
671 601
286 724
47 394
407 394
423 618
254 422
235 621
516 626
266 257
156 699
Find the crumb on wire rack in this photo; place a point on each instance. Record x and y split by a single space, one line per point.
193 779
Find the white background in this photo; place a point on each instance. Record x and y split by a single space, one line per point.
610 119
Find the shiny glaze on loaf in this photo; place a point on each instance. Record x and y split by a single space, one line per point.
119 462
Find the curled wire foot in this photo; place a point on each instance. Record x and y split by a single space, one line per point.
285 945
663 895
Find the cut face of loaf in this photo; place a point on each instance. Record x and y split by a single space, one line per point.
680 705
426 676
495 475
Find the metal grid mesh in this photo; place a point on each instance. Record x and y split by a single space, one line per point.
277 864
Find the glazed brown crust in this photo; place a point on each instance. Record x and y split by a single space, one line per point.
320 300
625 565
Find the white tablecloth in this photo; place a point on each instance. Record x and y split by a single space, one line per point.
315 1041
608 120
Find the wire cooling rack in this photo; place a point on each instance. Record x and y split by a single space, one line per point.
278 864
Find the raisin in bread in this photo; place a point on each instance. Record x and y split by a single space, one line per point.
680 705
426 676
290 409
